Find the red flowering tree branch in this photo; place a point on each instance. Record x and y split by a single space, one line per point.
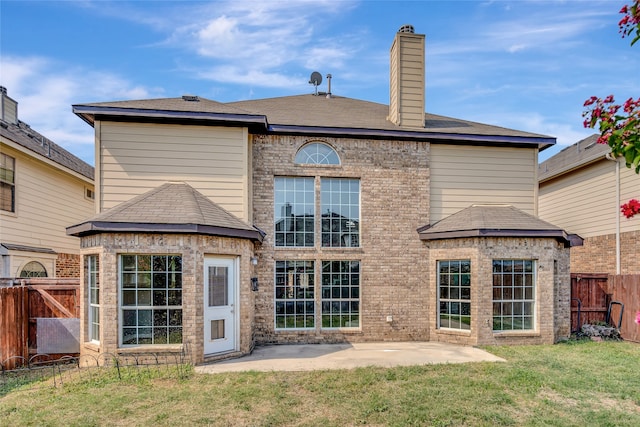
619 125
629 22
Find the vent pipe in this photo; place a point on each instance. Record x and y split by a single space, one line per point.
329 85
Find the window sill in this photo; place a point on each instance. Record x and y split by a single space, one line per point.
92 346
507 334
453 332
151 349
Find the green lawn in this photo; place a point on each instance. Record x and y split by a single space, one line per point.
571 384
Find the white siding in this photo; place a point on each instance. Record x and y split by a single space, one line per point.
47 202
584 201
136 158
465 175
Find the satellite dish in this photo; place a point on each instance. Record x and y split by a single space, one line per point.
315 80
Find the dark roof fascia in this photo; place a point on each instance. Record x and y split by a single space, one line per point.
487 232
444 138
89 113
95 227
23 248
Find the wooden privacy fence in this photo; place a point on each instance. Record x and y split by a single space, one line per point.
30 304
592 294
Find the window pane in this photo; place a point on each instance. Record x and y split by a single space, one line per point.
514 305
317 154
454 284
340 302
340 207
294 294
294 211
148 296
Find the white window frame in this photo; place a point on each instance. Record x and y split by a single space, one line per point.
458 306
340 295
137 307
516 301
295 291
317 153
92 277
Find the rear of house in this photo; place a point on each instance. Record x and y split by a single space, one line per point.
315 219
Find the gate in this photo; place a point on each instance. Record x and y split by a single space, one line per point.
589 299
36 317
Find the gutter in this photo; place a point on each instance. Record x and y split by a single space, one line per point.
540 142
608 156
88 113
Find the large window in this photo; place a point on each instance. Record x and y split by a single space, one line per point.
340 294
92 278
294 211
7 183
151 299
513 295
454 294
295 201
294 302
340 208
295 293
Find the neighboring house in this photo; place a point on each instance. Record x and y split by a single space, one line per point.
43 188
581 190
315 219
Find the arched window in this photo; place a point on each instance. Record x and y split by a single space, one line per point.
33 269
317 153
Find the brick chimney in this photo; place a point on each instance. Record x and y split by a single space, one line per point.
8 107
407 79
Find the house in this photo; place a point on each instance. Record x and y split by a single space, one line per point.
581 190
315 219
42 188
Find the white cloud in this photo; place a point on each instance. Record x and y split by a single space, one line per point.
45 90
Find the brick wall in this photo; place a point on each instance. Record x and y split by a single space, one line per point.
394 185
68 265
193 249
553 288
598 254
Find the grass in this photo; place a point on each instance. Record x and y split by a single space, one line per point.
571 384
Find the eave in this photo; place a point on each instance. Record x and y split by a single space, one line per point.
97 227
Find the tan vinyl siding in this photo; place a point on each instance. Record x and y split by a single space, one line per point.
629 189
47 202
584 201
407 80
136 158
9 110
466 175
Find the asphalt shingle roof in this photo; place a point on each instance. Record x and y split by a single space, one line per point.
581 153
492 220
311 113
22 134
172 207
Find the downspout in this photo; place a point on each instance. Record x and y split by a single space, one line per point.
617 210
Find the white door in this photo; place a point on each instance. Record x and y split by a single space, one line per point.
219 305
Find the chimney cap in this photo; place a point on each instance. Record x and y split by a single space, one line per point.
406 28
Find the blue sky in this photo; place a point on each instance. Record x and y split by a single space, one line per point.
527 65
